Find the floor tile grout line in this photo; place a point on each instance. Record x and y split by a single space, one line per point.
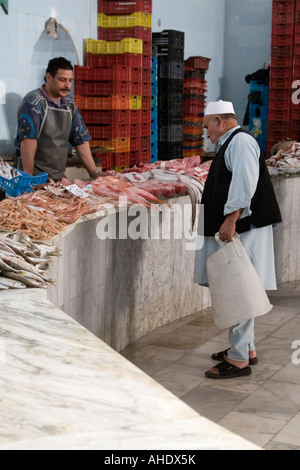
284 427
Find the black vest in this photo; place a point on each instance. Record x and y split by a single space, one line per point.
264 206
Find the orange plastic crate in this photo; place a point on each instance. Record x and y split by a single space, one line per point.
106 103
119 145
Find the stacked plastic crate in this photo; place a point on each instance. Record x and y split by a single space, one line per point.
170 52
281 71
154 106
113 90
194 101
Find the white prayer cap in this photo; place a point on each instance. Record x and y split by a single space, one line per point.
219 107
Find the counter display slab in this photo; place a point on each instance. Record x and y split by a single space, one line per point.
287 234
121 289
63 388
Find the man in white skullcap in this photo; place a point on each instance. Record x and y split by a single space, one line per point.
238 197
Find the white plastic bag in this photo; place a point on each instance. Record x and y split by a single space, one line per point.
236 291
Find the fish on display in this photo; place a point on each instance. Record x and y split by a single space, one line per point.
24 277
24 263
11 283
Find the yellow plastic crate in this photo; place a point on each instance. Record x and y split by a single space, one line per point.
135 102
95 46
125 21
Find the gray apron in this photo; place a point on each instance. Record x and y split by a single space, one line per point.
52 150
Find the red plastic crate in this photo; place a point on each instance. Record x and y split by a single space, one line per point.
283 28
297 37
146 75
110 117
111 7
146 102
140 116
282 73
296 73
140 130
197 63
134 157
282 51
281 83
107 34
137 74
147 61
135 144
276 104
284 95
135 131
194 91
282 61
102 88
107 161
109 132
145 142
195 83
282 18
280 127
277 115
102 73
147 47
121 159
282 39
146 88
193 106
145 156
123 60
146 128
281 6
136 88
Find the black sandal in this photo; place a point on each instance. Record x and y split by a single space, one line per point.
228 371
220 356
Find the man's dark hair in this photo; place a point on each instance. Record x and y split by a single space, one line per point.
58 63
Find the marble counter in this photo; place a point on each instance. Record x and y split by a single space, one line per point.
63 388
122 289
287 234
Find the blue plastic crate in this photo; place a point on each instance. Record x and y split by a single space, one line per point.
154 136
154 153
154 101
21 184
154 88
154 114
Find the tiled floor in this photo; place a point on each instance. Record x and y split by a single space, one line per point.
264 407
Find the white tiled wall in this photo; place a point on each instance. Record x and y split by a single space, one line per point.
203 22
235 34
21 66
247 47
